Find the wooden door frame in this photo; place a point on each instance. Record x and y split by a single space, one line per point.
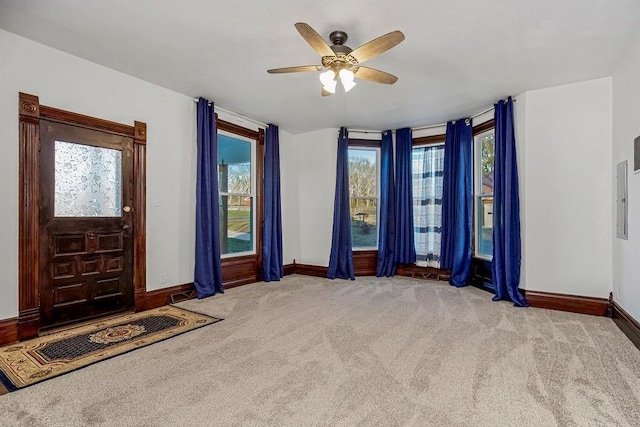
30 113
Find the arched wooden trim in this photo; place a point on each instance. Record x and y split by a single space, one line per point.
483 127
30 112
239 130
432 139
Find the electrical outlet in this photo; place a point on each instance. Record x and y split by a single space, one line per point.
163 278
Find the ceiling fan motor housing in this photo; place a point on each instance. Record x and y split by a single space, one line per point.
341 59
338 37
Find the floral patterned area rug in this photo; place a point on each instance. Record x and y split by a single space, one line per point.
29 362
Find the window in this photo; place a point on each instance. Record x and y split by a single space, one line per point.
236 181
484 154
427 166
363 196
88 181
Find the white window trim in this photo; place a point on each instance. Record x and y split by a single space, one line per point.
477 190
252 194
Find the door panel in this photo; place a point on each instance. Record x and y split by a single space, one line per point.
85 223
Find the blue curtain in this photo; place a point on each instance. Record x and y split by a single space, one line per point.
272 263
457 197
341 258
505 269
405 248
208 272
385 263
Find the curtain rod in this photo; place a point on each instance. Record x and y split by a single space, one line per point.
426 127
239 116
444 124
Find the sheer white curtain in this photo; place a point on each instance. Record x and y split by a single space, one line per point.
428 163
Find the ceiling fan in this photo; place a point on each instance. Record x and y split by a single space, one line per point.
341 62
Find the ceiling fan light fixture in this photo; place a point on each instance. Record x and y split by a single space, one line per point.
327 77
346 77
328 80
331 86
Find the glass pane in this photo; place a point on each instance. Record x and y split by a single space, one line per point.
236 224
362 173
88 181
364 222
487 145
427 169
234 165
485 227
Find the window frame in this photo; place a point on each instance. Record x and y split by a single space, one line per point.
368 145
424 142
479 132
252 194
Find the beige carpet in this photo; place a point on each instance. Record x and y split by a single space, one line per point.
310 351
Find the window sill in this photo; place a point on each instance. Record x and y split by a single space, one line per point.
238 255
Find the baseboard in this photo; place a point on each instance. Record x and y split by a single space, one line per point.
160 297
571 303
311 270
431 273
364 265
626 323
239 282
8 330
289 269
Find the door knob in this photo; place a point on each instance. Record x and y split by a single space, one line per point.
127 209
126 227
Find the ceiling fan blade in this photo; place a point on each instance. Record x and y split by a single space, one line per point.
314 39
374 75
298 69
325 92
377 46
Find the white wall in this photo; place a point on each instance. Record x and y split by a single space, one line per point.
70 83
566 170
290 197
626 127
519 113
315 154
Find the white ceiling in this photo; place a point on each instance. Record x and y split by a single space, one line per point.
459 56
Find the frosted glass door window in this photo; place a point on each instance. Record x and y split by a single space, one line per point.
88 181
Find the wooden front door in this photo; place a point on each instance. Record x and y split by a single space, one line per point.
86 223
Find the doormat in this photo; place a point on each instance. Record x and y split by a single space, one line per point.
29 362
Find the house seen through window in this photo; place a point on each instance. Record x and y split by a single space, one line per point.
363 196
484 153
